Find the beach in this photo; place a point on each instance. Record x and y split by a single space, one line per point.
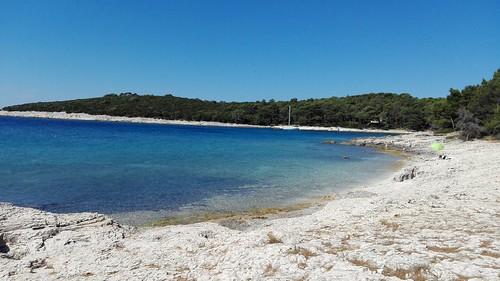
442 223
89 117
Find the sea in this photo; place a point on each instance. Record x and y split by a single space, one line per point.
140 173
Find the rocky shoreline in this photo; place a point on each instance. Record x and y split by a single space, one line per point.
88 117
441 224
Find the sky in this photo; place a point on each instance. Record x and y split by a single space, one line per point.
244 50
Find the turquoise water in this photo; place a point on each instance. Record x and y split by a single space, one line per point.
125 169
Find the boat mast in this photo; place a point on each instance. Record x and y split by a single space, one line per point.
289 114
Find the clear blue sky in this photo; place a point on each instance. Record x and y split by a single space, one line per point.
244 50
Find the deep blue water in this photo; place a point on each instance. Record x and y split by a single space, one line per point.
125 168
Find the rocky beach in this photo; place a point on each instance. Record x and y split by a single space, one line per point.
434 219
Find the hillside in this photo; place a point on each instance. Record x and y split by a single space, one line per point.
474 108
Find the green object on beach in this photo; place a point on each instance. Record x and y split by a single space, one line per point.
437 146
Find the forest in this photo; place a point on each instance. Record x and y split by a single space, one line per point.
474 110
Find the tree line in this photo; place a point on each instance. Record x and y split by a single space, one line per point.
474 110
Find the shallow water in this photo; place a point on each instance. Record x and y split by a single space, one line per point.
139 172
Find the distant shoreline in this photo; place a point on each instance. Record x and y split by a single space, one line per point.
144 120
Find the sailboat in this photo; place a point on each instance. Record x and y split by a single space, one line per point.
289 127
